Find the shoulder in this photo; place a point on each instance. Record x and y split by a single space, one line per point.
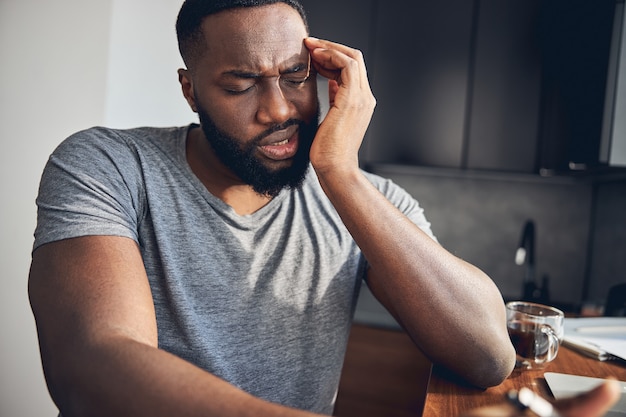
119 149
110 140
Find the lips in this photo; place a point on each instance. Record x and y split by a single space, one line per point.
281 149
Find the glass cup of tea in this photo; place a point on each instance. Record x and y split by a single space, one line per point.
536 331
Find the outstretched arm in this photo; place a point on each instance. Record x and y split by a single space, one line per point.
98 339
450 308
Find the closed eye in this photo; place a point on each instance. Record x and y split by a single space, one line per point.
238 91
295 80
297 75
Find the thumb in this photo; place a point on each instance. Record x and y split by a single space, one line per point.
594 403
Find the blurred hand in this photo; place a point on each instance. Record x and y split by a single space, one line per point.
594 403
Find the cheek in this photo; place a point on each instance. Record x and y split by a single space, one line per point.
233 117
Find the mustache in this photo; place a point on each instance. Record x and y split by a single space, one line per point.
276 128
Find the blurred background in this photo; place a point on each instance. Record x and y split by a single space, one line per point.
490 112
498 114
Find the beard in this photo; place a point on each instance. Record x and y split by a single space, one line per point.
239 156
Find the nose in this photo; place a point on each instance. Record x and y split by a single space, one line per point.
273 106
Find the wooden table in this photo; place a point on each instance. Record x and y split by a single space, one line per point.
448 397
385 375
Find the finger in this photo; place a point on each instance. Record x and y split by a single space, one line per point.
333 88
322 63
336 66
314 43
594 403
342 50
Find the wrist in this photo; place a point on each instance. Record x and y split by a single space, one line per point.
338 178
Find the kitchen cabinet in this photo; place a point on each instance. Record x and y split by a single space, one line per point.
458 84
503 110
515 85
576 44
419 76
613 143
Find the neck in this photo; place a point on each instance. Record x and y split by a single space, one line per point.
218 179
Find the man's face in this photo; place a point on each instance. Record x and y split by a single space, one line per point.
241 157
256 95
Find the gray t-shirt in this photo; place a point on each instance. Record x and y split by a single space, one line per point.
264 301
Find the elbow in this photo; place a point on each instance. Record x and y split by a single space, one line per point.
493 368
491 376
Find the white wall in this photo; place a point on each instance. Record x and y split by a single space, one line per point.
142 82
56 78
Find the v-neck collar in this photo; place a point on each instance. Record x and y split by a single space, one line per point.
213 200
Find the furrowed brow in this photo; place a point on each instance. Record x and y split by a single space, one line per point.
297 68
242 74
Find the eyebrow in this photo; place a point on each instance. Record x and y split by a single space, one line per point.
299 67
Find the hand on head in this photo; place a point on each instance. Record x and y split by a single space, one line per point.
351 104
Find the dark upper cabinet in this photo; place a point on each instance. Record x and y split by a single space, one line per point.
576 45
419 75
504 85
503 111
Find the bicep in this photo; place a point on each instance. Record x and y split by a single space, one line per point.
86 288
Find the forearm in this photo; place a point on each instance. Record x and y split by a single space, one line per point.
122 377
451 309
98 339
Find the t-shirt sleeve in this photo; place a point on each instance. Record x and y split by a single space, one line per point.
90 186
400 198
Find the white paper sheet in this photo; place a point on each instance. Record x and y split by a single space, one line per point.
604 337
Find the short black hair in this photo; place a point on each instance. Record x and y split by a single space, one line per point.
192 13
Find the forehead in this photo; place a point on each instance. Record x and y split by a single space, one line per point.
255 38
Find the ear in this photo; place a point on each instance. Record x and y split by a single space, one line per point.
184 78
